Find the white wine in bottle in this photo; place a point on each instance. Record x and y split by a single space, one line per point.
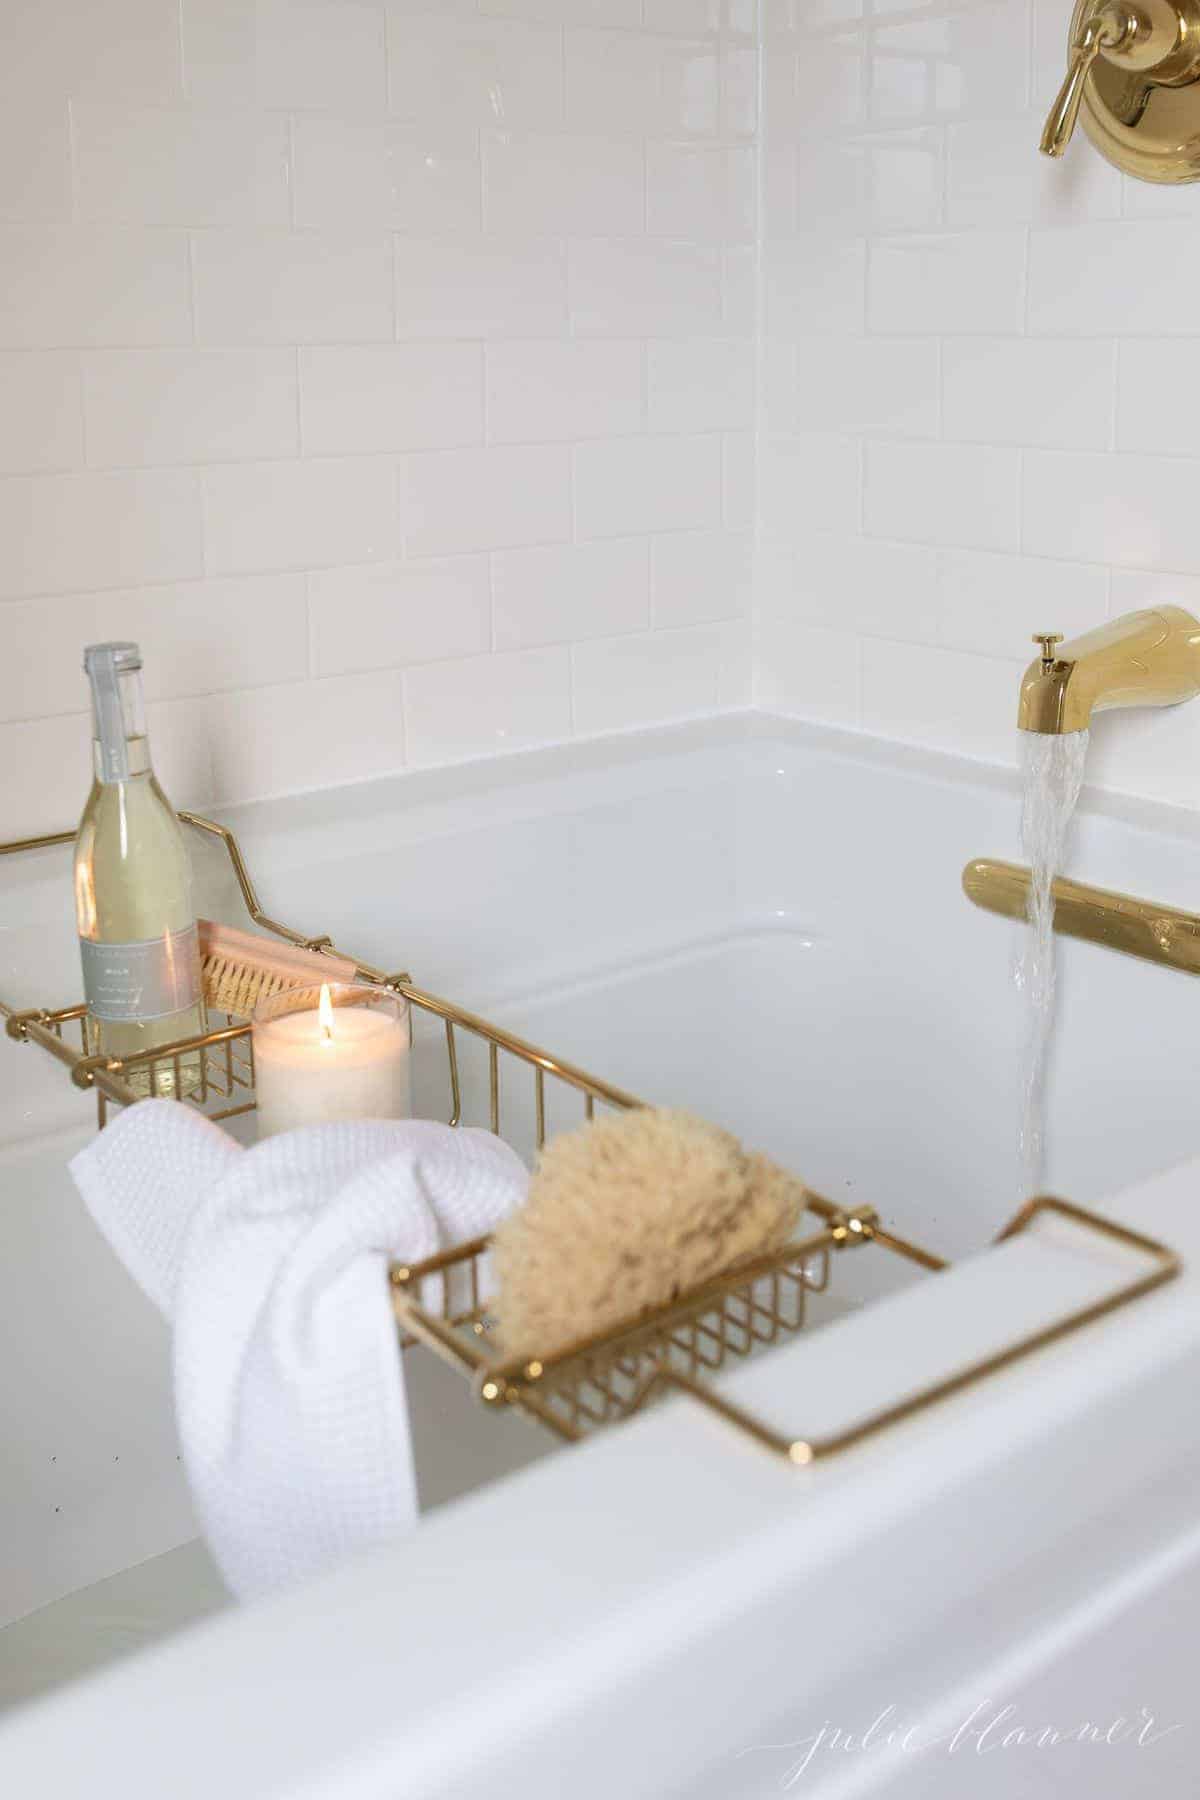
133 891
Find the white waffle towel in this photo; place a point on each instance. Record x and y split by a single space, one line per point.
272 1265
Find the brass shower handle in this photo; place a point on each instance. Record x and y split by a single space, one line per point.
1105 28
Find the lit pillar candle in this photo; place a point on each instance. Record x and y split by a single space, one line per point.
345 1058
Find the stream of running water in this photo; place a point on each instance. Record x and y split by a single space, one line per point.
1052 773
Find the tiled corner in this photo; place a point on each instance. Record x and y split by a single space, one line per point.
970 408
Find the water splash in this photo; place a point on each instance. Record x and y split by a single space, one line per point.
1052 773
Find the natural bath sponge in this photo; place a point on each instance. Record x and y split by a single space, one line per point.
625 1214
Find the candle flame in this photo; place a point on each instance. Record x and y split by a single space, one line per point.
325 1014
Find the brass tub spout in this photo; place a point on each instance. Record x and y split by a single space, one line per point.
1147 658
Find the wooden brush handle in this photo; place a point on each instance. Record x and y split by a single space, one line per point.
290 962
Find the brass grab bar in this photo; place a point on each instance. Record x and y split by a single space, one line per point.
1156 933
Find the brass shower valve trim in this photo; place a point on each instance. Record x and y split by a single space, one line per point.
1133 79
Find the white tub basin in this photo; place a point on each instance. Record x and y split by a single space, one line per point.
763 922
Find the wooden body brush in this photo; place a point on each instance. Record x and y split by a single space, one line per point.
241 969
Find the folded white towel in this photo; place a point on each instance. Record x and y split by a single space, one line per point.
272 1264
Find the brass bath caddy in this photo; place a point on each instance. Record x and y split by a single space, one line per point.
441 1303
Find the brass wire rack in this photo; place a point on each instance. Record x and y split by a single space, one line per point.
525 1094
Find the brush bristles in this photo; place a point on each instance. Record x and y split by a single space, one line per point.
237 988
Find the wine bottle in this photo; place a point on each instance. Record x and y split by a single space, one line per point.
133 891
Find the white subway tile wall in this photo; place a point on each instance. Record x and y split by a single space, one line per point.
423 378
974 421
385 367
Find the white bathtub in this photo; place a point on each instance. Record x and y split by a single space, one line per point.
764 922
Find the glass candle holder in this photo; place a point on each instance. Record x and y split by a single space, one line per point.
340 1051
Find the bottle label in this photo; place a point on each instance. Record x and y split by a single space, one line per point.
134 983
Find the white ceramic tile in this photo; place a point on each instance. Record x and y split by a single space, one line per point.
943 493
780 174
35 158
828 187
993 179
846 583
1151 752
298 515
458 500
817 86
625 485
285 53
478 71
535 183
306 734
630 287
1153 199
880 385
1136 277
144 407
809 480
700 191
993 604
487 704
735 668
1134 511
697 576
951 62
625 681
567 12
549 390
390 397
364 171
196 637
739 89
625 81
460 9
483 287
739 301
888 182
563 593
904 172
815 284
124 50
1150 415
150 166
905 693
1050 45
1132 589
739 475
387 615
961 281
689 15
1028 391
803 670
59 748
302 287
41 414
779 385
60 533
700 384
85 284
